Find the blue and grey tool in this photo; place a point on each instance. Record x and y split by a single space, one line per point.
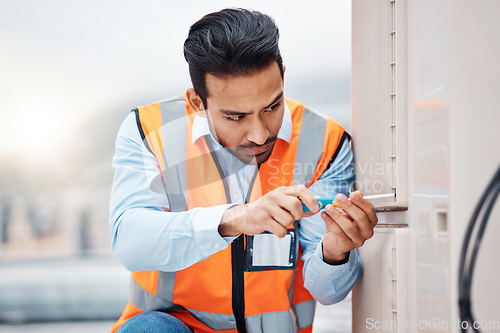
323 201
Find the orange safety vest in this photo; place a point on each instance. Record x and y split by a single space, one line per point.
224 291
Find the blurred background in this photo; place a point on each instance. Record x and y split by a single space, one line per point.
70 71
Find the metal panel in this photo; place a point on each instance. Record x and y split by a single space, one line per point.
382 300
379 108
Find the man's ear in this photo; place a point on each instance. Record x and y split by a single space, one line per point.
196 103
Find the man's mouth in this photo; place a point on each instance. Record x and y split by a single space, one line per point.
259 150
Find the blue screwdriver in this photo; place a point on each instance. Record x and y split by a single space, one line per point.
323 201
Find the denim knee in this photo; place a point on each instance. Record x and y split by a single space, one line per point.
154 322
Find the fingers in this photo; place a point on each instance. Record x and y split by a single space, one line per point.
351 225
307 214
291 204
284 206
361 211
266 217
277 229
280 219
353 236
304 195
365 205
341 236
278 209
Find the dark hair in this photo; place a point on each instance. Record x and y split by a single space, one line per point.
230 42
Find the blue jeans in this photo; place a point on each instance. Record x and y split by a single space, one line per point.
154 322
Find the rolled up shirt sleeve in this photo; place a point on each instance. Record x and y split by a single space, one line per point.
145 235
329 284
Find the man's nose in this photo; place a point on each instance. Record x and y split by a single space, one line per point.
257 132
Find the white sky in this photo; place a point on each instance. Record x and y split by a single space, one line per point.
62 62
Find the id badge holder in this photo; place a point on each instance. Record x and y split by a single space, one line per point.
267 251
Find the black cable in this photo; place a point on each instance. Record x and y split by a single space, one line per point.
480 233
467 263
475 250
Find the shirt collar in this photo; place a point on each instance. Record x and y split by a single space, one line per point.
200 127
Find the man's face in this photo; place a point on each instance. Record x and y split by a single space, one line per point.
245 112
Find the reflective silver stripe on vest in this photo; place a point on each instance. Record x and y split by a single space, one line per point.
216 321
309 151
310 146
281 321
304 311
148 302
174 127
165 288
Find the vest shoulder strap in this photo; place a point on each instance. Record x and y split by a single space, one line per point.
319 141
163 126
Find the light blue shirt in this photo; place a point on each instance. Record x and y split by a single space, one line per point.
145 235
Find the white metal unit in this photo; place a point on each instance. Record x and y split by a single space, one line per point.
475 145
385 300
378 99
444 80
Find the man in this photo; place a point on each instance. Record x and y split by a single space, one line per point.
206 205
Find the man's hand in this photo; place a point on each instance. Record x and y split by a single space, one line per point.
273 212
347 228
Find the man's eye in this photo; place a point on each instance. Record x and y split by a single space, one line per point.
273 107
235 118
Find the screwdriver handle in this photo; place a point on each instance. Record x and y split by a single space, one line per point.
323 201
